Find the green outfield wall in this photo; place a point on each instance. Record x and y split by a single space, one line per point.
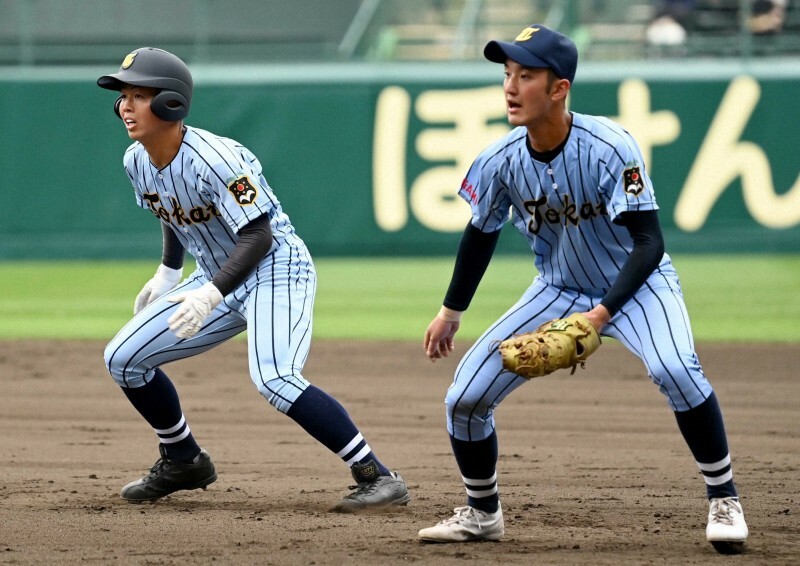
367 159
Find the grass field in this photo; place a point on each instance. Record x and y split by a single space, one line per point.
730 298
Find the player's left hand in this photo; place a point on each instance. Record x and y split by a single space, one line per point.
194 309
162 282
557 344
598 316
438 341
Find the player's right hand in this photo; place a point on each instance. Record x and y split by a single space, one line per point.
438 341
194 308
163 281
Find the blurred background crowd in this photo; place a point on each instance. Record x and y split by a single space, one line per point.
63 32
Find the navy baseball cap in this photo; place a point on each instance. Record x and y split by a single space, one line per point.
537 47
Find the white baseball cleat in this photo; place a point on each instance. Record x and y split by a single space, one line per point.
466 525
726 529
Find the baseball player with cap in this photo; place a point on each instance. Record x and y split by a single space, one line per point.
576 188
253 272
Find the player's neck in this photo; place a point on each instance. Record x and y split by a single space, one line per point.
550 131
163 148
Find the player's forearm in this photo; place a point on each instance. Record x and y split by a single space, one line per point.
172 251
474 254
648 250
255 241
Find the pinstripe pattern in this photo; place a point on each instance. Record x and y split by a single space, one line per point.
565 208
275 303
191 194
279 318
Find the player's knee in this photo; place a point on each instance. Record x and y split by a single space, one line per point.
683 390
118 363
684 399
111 361
470 399
465 406
281 391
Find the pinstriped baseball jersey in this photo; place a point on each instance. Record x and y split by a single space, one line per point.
211 189
588 212
274 304
565 207
564 204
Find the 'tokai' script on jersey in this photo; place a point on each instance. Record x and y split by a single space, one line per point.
570 214
197 214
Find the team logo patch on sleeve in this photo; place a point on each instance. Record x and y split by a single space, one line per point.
243 190
633 181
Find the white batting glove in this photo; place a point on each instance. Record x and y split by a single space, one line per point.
164 280
194 310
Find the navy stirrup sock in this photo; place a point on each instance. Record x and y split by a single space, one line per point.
478 464
704 432
324 418
158 403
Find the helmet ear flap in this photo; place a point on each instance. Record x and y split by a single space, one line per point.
170 105
117 104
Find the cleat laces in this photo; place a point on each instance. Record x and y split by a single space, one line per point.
722 512
462 513
158 466
363 488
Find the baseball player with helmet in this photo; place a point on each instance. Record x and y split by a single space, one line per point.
253 272
576 188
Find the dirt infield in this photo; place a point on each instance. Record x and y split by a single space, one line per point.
592 467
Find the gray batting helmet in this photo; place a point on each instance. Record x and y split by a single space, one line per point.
156 68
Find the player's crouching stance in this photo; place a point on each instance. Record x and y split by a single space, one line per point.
253 272
578 192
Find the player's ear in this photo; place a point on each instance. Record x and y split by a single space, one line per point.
560 89
117 103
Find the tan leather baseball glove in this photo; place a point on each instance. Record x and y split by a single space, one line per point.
558 344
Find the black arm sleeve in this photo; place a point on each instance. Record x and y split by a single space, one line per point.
255 240
648 249
474 253
172 250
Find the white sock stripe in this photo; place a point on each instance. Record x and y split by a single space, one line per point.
160 431
720 479
715 466
352 444
489 481
482 493
175 439
360 456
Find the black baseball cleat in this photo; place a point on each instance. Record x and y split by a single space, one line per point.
168 476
